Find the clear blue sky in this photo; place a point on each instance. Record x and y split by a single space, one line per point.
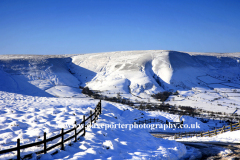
90 26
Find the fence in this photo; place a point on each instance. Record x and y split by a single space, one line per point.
203 115
151 120
231 127
92 118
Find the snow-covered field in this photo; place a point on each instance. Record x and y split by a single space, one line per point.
41 94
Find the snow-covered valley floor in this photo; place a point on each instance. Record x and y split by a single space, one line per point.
41 94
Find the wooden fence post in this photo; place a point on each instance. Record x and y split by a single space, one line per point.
62 148
95 117
231 129
96 110
84 125
18 149
215 131
45 143
91 117
223 128
100 106
201 134
75 130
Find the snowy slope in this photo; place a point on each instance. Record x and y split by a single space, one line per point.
123 72
27 117
143 73
41 94
139 73
28 108
121 143
149 71
37 75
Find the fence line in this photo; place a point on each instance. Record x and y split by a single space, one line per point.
151 120
231 127
95 114
195 113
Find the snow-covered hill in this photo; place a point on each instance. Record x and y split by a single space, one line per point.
150 71
142 73
131 73
37 76
137 72
41 94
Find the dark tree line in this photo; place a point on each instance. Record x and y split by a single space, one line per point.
204 115
162 96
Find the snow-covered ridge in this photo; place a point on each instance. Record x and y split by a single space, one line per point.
147 72
133 73
137 72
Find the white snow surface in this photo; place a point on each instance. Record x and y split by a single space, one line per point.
142 73
38 94
27 117
41 94
146 70
231 137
